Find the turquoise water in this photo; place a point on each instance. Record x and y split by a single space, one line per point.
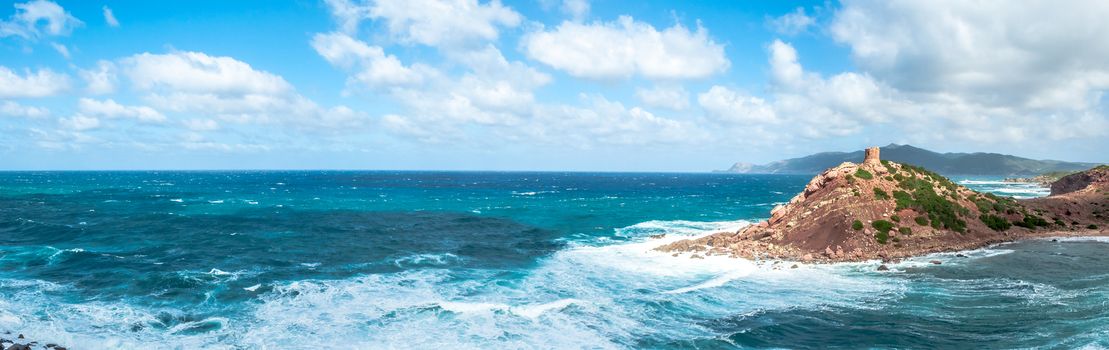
490 260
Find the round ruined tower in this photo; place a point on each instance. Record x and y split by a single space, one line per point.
872 156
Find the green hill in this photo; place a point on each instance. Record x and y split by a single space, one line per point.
987 164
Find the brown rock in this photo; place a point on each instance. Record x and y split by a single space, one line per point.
936 262
883 267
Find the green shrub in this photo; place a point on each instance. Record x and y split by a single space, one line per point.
1060 222
921 220
920 195
882 225
895 218
883 228
881 237
863 174
881 194
905 231
1031 222
857 225
995 222
1092 227
889 167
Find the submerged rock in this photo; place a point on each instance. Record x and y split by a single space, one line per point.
936 262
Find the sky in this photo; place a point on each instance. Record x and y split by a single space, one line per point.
577 85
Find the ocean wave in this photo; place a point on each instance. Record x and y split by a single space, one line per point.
985 182
418 260
529 311
679 227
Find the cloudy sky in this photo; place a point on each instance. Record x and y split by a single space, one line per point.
542 84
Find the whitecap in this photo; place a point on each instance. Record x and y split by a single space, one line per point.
178 200
252 288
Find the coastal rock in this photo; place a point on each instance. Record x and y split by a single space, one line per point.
883 267
889 211
935 262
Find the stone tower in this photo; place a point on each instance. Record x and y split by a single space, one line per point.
872 156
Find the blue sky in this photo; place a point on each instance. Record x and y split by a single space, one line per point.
541 85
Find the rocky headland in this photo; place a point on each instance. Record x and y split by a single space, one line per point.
1043 179
885 210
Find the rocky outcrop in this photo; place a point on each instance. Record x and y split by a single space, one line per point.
885 210
1097 177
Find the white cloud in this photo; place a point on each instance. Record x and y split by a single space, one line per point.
200 73
62 50
79 122
374 68
792 23
101 79
603 121
110 17
41 83
1016 71
38 18
668 97
726 105
10 108
625 48
1041 54
443 22
577 9
348 14
111 109
230 90
201 124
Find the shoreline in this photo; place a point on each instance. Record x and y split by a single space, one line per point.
695 253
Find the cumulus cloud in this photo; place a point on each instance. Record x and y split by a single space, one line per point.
668 97
35 19
100 79
110 17
437 22
111 109
577 9
624 48
429 22
1031 69
14 109
1041 54
40 83
792 23
200 73
229 89
724 104
373 67
79 122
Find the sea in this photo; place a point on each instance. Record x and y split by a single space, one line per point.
494 260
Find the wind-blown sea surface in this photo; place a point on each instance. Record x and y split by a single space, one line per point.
443 260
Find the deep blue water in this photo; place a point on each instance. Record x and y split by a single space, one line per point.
491 260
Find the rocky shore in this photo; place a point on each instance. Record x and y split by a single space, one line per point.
1044 179
15 341
883 210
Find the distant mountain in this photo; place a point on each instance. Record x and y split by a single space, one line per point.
988 164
